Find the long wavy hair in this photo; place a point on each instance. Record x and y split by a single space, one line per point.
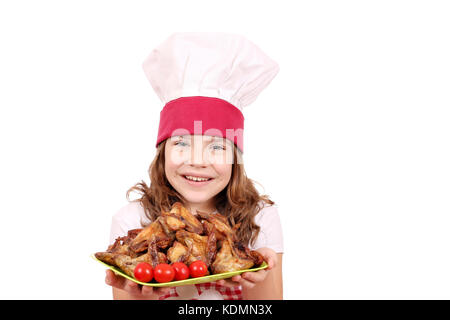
239 201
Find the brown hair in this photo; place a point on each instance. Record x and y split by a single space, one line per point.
239 201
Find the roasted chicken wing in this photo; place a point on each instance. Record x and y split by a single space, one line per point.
192 223
154 232
179 236
155 257
196 244
121 244
222 228
122 261
178 253
228 260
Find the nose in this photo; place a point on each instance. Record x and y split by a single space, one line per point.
197 156
197 160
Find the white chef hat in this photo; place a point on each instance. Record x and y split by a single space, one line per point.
204 80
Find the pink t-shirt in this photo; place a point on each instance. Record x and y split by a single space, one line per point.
132 216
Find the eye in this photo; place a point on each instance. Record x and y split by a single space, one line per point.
217 147
180 143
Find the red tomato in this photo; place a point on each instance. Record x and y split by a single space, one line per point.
143 272
181 270
164 272
198 269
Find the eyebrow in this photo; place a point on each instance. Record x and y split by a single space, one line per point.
213 138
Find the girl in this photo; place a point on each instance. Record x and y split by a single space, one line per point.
187 153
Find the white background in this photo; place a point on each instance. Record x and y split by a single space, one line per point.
351 139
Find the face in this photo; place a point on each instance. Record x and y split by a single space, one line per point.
198 167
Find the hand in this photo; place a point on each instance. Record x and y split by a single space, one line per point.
249 279
134 290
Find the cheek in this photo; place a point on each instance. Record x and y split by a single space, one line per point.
224 172
221 158
170 166
175 157
170 170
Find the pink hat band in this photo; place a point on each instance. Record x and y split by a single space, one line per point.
199 115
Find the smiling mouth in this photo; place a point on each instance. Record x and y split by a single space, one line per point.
196 179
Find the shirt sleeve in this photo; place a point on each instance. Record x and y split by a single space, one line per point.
270 233
131 216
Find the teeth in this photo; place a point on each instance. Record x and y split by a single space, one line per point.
196 178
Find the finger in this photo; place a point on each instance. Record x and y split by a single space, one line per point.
227 283
258 276
247 284
234 281
114 280
147 291
220 282
132 287
271 263
236 278
268 257
162 291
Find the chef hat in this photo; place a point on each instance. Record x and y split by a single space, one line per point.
204 80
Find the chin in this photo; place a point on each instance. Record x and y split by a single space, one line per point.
196 199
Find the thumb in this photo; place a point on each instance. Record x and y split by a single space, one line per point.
269 257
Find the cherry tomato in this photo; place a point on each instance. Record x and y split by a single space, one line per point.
143 272
198 269
164 272
181 270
